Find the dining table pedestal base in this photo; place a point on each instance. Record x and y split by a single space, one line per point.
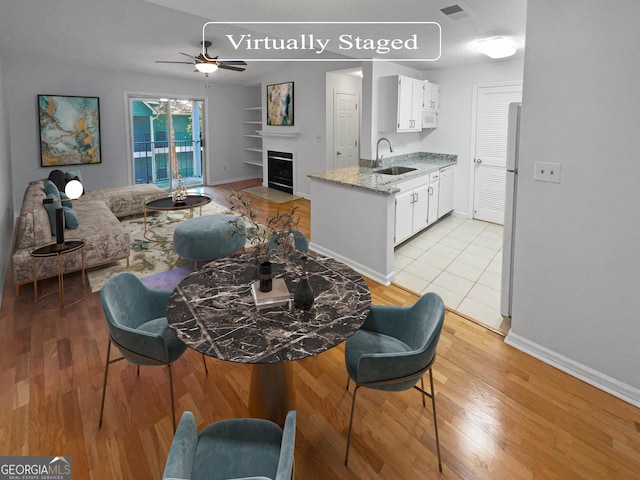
272 393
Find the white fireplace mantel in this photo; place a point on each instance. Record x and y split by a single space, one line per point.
278 134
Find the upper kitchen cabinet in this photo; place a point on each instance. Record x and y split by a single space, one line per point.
400 104
431 96
430 105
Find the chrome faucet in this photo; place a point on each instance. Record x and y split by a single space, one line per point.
378 157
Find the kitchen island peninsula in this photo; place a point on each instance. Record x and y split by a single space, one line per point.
356 211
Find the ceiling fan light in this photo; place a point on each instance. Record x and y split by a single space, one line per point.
206 67
495 47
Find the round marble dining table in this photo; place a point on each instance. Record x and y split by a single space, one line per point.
213 312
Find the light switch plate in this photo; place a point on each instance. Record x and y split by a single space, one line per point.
547 172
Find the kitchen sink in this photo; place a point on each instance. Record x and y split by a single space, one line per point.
395 170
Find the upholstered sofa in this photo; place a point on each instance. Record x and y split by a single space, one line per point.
106 240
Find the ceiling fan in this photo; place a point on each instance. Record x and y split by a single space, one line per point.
206 64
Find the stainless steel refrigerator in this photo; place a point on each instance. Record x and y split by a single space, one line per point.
513 146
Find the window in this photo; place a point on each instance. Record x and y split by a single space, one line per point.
167 136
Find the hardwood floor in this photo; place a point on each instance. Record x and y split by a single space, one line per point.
502 414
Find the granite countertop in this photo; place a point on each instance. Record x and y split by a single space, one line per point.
364 177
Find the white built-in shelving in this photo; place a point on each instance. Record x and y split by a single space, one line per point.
254 142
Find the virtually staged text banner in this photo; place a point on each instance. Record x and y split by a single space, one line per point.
325 41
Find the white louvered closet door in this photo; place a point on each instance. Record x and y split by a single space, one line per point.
492 111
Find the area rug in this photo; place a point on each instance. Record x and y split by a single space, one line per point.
270 194
153 253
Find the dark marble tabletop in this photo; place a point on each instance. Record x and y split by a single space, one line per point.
213 312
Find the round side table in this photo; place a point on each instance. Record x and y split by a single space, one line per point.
55 250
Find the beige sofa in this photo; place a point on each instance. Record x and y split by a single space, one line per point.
106 240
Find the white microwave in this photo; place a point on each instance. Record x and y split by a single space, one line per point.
429 119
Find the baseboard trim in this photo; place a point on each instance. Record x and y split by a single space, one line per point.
372 274
587 374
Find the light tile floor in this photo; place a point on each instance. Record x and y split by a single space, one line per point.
461 260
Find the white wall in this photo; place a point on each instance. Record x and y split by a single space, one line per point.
575 301
26 77
454 132
6 189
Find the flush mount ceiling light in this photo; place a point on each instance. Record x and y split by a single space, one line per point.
206 68
495 47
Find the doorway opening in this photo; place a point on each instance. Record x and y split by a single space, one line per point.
343 118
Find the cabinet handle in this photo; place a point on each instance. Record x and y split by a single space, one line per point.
430 190
416 197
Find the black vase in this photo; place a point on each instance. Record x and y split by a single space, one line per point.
303 296
266 282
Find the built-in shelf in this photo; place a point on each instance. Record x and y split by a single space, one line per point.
254 142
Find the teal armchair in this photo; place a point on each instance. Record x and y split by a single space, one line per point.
239 449
136 318
393 349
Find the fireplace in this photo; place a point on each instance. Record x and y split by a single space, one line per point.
280 170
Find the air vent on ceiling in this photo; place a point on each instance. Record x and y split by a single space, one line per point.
454 12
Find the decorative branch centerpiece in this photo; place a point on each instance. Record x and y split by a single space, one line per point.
275 235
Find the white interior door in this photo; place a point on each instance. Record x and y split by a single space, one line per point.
346 130
489 171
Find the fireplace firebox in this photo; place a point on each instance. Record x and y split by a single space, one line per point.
280 170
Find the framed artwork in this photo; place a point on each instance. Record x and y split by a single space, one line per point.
69 130
280 104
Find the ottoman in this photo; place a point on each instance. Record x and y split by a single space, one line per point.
207 237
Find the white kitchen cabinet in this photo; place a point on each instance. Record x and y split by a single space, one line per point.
412 208
431 96
445 196
430 105
400 104
434 192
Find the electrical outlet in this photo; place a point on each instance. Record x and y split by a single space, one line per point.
547 172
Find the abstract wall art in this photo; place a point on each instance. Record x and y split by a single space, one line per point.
280 104
69 130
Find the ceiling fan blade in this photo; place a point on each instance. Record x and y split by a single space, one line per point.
170 61
232 62
187 55
229 67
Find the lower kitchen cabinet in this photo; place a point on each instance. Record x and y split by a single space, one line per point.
416 206
412 212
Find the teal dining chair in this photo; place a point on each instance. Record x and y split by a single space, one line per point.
136 318
299 239
392 350
239 449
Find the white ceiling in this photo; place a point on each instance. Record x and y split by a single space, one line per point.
131 34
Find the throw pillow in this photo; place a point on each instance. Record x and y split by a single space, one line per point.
70 218
50 188
66 201
73 175
57 177
51 211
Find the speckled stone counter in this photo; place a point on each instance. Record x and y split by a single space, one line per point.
213 312
365 177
